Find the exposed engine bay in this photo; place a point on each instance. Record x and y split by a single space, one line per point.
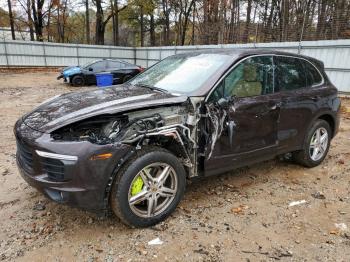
172 127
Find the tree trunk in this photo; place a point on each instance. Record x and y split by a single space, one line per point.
321 18
232 21
166 28
193 22
115 23
37 10
87 22
11 20
152 32
59 33
100 30
48 24
247 24
265 20
269 21
141 26
221 21
30 21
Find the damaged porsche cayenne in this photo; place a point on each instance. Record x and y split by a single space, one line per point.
130 148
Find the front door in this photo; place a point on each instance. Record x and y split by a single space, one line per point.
98 67
245 129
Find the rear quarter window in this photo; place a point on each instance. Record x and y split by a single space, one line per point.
289 74
313 76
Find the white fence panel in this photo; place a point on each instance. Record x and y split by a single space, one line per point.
334 53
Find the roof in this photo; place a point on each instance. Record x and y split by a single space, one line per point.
241 52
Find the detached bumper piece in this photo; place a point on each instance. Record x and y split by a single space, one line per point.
62 76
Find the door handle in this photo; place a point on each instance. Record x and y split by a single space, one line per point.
275 106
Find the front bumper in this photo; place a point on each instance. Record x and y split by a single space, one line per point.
82 183
62 76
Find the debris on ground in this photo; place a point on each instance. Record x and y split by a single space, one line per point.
155 241
297 203
239 210
318 195
341 226
39 206
5 172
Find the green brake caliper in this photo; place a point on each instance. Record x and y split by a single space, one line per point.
136 186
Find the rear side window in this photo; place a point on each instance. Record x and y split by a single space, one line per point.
127 64
98 66
312 75
289 74
115 65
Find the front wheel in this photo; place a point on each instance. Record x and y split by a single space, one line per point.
316 145
77 80
148 188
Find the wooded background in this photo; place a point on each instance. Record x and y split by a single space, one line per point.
176 22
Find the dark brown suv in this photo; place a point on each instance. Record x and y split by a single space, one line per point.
130 148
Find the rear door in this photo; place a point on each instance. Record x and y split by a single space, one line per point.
116 68
298 83
248 125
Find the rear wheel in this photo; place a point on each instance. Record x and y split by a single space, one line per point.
77 80
148 188
316 145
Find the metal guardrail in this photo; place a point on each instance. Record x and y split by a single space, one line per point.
334 53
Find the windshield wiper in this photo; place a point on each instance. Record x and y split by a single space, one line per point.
154 88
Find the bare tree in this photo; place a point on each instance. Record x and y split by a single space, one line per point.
11 20
247 23
101 22
87 21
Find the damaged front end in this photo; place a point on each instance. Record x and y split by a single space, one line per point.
190 130
172 127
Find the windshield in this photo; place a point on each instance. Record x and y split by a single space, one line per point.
182 74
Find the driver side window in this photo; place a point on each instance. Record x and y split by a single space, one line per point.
252 77
98 66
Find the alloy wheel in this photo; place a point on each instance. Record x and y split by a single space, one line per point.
318 144
152 190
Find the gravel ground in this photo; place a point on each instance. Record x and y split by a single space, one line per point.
242 215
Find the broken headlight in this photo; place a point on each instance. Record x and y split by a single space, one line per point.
98 130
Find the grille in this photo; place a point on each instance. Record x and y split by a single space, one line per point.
54 168
25 156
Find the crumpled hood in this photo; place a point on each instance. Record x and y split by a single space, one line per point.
72 107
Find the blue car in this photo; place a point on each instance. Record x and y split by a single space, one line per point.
86 75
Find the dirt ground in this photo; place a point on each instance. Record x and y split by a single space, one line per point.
239 216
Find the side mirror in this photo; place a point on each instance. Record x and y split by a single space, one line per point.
90 69
223 103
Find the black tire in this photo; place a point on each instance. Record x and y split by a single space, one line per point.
303 156
126 78
119 198
77 80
